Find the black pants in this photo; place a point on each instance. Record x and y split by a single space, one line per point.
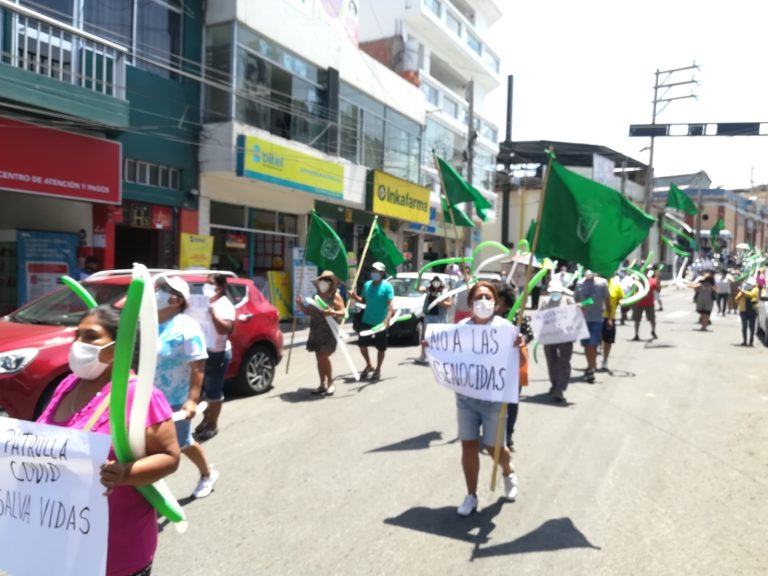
748 319
722 304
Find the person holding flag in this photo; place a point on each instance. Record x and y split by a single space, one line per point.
595 288
377 295
322 341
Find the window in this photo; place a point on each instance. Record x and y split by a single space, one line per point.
474 43
150 174
61 10
218 57
373 141
263 220
227 214
158 34
112 20
453 23
129 170
349 137
434 6
451 108
433 96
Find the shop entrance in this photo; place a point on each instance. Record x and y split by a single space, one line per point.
153 248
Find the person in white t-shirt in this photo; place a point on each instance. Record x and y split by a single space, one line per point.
217 328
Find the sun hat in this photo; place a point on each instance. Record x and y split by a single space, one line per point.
327 275
178 284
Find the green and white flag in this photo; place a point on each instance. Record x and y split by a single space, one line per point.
325 249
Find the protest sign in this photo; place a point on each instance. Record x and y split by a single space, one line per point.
479 361
53 515
559 325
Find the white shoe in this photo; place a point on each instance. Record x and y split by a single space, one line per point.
510 486
205 485
604 366
468 506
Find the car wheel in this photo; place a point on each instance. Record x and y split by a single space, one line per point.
257 371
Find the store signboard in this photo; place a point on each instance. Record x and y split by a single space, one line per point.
49 162
301 282
431 227
43 258
263 160
397 198
196 251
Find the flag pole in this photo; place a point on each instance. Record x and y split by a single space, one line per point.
521 313
298 289
359 268
443 195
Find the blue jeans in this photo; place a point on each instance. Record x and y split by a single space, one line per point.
215 368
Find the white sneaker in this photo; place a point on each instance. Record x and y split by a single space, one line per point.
205 485
604 366
468 506
510 486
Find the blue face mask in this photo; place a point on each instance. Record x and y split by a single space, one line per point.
375 276
555 296
163 299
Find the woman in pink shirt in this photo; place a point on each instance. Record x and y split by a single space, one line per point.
132 536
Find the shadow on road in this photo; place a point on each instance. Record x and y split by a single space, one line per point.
421 442
557 534
300 395
545 399
164 523
657 344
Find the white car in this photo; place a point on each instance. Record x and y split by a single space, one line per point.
762 319
408 300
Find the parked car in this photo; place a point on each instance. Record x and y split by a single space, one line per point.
35 339
762 319
408 300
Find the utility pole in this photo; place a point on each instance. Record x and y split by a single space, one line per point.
662 82
471 136
505 158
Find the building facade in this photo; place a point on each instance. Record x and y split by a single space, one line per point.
100 115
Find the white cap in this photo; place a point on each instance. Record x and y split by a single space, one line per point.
178 284
557 286
379 266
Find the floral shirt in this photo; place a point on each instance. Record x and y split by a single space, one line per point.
180 343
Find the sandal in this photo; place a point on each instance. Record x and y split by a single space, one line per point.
376 375
331 389
319 390
365 373
207 434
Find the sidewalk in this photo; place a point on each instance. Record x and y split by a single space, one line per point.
302 334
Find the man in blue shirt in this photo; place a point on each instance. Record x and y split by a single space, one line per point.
377 296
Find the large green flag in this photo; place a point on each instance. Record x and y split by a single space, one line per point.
679 200
531 234
384 250
325 249
458 190
459 218
717 228
588 223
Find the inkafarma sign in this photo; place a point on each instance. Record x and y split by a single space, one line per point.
51 500
397 198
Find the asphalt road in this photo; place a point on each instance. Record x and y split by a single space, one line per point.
660 467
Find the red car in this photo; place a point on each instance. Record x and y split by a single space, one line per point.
35 339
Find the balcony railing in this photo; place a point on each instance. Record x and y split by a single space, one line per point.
461 29
39 44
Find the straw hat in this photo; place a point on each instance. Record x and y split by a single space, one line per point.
327 275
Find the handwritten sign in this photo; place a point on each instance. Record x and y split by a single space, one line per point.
53 515
476 361
559 325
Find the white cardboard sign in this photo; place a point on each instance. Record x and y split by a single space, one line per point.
559 325
475 360
53 515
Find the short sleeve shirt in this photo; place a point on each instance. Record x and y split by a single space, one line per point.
597 289
615 294
648 300
180 343
377 299
224 310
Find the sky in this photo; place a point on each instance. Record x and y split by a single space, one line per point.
585 70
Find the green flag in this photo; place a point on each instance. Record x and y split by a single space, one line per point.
325 249
459 218
717 228
679 200
458 190
384 250
588 223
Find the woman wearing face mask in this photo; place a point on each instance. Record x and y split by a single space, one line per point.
132 538
558 355
321 340
438 314
218 326
181 356
478 419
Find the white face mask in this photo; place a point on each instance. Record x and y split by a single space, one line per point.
209 290
555 296
323 285
435 284
483 309
84 360
163 299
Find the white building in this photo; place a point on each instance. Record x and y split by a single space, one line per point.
439 45
297 118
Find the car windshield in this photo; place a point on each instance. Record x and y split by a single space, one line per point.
62 307
406 286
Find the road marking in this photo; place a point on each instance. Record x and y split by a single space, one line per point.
677 314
